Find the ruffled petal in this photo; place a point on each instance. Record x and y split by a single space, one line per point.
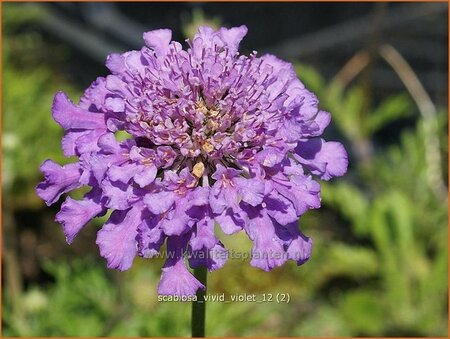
325 159
146 176
98 166
160 202
322 120
108 144
115 84
270 156
218 255
299 246
300 249
119 195
58 180
251 190
123 173
203 236
233 36
177 221
158 40
115 63
198 197
75 214
87 142
268 251
135 62
69 116
224 192
229 222
69 139
117 238
175 278
213 259
301 191
93 98
116 105
150 237
222 197
280 208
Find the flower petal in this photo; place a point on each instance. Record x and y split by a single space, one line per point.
280 208
203 236
146 176
150 237
58 180
117 238
123 173
158 40
302 191
213 259
68 116
325 159
229 222
119 195
299 246
177 221
267 251
75 214
233 36
175 278
69 139
115 63
251 190
93 98
160 202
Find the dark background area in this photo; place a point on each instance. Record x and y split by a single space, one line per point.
325 35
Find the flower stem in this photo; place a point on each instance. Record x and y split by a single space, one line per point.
198 307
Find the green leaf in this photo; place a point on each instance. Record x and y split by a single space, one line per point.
363 312
342 195
389 110
310 77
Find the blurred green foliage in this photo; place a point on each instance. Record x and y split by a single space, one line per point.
29 83
379 265
388 204
192 21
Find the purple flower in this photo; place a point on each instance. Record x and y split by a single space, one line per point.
213 137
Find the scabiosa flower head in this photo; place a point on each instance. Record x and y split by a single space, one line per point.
214 137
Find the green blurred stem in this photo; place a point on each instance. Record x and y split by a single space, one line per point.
13 274
198 306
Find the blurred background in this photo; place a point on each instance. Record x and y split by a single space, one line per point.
380 260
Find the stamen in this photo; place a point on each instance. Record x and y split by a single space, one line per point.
198 169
